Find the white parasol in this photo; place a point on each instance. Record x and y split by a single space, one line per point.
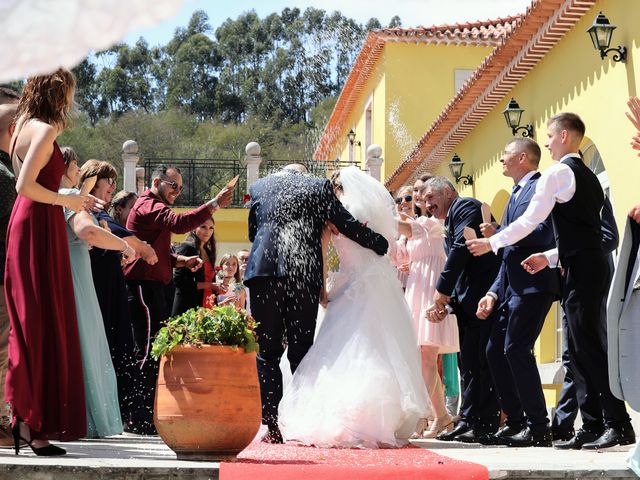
38 36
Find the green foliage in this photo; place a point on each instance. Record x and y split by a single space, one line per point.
226 325
208 92
275 69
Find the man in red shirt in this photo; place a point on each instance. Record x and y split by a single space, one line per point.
152 220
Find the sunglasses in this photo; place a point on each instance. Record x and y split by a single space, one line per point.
110 181
173 185
406 198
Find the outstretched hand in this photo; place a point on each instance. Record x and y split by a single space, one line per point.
485 307
193 263
225 197
479 246
488 229
534 263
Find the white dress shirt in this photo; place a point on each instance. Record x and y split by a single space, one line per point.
556 184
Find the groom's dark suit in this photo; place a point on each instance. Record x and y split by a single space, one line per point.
284 273
466 279
523 303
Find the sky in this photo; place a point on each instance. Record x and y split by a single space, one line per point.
413 13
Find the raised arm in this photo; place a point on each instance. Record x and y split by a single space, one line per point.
350 227
82 225
39 152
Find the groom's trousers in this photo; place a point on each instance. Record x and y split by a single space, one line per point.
286 311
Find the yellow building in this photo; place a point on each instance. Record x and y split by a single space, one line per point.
231 230
400 81
548 64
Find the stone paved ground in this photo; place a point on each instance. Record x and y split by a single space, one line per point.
144 458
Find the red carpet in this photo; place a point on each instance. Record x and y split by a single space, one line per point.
261 461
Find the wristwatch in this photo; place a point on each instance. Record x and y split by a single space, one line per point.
214 204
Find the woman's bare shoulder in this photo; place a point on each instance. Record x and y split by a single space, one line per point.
39 129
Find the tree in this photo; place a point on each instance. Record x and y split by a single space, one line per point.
395 22
207 92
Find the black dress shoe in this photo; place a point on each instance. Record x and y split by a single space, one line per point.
498 437
566 435
272 436
612 437
579 439
529 438
459 429
470 437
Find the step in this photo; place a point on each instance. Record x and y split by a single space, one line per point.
148 458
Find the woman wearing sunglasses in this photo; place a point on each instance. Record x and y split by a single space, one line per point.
404 205
425 248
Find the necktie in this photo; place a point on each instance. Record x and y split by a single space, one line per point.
512 201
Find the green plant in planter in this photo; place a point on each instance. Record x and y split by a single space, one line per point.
225 325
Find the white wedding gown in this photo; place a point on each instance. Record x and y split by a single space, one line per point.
360 384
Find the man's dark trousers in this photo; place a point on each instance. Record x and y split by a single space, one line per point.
281 303
585 285
148 307
479 407
511 359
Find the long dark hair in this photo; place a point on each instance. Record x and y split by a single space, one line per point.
209 247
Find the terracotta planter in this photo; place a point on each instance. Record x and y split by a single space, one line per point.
207 404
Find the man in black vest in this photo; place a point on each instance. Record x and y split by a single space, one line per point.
288 213
573 195
522 302
567 406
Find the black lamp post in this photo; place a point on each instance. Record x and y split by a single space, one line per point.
513 114
455 165
601 32
352 138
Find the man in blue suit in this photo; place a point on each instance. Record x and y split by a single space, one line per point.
288 213
464 280
522 302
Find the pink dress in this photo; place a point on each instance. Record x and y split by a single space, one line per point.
427 255
401 257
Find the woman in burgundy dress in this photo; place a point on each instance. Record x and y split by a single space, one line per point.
44 383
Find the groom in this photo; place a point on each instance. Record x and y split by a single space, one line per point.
288 213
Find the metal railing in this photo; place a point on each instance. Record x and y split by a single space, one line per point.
204 178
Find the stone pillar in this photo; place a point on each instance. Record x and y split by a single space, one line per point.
140 184
252 160
374 161
130 160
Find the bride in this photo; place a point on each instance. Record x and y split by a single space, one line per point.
360 384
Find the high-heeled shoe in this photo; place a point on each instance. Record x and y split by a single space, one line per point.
47 451
439 425
421 427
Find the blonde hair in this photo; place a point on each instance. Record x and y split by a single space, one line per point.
225 258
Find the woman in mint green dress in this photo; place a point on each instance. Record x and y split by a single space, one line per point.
101 389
